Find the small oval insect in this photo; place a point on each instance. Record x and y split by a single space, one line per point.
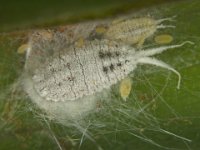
136 30
125 88
163 39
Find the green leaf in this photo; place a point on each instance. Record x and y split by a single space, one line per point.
166 110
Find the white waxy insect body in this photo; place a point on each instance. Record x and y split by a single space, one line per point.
135 31
65 68
76 72
69 73
125 88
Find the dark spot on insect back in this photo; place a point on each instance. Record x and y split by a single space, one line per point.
105 69
68 65
53 70
108 54
119 64
71 78
101 54
117 53
126 61
112 67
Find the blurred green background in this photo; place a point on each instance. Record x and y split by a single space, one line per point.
20 128
23 14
